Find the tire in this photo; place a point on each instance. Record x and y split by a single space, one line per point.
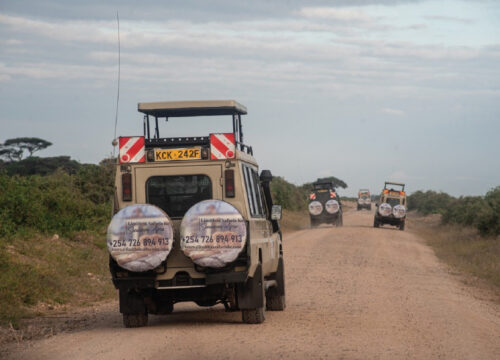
370 207
255 316
313 224
376 224
402 226
135 320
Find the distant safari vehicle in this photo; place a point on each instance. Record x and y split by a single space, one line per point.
325 206
194 220
392 206
364 199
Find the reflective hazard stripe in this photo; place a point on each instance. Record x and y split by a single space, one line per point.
222 146
132 149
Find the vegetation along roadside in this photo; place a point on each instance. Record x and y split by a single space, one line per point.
464 232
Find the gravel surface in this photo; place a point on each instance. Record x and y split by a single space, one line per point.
352 293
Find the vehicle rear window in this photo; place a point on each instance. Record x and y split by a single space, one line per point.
393 201
322 186
176 194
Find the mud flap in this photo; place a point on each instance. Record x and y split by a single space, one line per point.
251 293
279 276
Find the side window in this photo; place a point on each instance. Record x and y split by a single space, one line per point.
258 190
254 195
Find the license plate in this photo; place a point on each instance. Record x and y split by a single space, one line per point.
178 154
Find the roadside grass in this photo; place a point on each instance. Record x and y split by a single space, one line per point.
40 274
462 248
294 220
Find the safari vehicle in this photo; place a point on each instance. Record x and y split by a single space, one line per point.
193 220
325 206
364 199
392 206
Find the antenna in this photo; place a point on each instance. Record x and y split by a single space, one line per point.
118 90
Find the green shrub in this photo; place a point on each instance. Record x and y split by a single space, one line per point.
49 204
288 195
429 202
480 212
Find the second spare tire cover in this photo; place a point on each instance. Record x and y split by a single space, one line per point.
140 237
213 233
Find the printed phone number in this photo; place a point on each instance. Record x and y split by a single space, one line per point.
205 239
138 243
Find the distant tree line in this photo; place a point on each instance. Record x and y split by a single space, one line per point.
481 212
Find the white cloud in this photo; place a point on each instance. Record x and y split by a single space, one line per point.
391 111
333 13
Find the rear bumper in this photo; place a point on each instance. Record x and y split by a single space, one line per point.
125 280
391 220
325 217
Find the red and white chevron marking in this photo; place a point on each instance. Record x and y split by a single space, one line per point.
132 150
222 146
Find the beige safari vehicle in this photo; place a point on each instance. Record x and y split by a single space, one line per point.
391 209
364 200
194 220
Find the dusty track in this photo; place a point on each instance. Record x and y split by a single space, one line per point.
353 293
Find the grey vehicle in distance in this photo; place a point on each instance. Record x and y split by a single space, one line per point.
364 200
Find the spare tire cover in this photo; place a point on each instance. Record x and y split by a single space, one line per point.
399 211
332 206
140 237
213 233
385 209
315 208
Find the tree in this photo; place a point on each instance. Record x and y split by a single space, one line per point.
10 153
337 183
13 149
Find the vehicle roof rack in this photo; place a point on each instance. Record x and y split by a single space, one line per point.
166 109
192 108
394 183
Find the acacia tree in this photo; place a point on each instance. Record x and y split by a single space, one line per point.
13 149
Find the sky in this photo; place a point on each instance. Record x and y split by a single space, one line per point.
364 90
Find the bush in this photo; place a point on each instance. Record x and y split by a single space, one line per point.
49 204
482 213
289 196
429 202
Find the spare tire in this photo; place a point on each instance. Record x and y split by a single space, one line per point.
140 237
213 233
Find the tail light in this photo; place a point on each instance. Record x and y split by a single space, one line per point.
332 194
312 196
229 183
127 187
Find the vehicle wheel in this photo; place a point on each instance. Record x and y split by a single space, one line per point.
402 226
370 208
339 221
206 302
275 296
376 223
313 224
255 316
135 320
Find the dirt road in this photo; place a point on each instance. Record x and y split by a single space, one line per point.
352 293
